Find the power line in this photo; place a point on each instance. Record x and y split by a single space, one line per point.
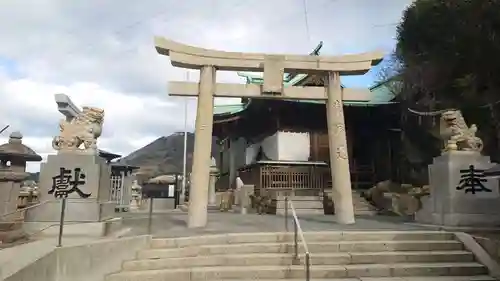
121 30
237 5
132 25
306 21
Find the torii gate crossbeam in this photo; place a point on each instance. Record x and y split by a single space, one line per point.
273 67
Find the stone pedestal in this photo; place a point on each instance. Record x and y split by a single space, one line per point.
10 188
244 194
161 204
134 204
239 185
95 208
455 198
136 201
212 200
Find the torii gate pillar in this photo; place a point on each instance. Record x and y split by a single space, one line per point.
273 67
202 161
339 158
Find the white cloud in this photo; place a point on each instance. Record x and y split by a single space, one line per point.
105 56
131 121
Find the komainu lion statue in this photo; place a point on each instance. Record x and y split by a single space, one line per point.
84 129
454 132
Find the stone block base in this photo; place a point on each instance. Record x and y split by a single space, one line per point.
161 204
457 219
184 207
92 229
451 202
77 210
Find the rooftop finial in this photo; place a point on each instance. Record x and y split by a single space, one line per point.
15 137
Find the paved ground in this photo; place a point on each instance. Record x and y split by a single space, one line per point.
174 224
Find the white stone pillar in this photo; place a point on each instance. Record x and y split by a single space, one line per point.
212 200
232 162
339 158
198 193
246 191
239 185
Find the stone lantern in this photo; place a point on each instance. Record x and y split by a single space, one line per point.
164 191
28 195
136 201
214 173
13 158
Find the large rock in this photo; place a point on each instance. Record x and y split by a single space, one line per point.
399 199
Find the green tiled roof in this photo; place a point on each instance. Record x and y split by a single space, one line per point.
288 79
381 95
229 108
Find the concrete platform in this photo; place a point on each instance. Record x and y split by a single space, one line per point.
174 224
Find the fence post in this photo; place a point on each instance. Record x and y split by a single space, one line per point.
61 221
150 215
295 238
308 266
286 214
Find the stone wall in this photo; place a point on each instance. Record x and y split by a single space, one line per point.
491 246
80 263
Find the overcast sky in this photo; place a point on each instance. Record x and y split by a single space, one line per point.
101 53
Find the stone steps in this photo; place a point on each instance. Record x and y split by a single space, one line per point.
297 271
348 256
408 278
304 205
287 259
313 236
361 205
303 211
314 247
300 198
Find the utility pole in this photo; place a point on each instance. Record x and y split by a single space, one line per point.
183 190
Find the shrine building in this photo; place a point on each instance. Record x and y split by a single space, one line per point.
282 145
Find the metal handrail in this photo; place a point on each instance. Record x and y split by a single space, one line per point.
25 208
149 217
297 231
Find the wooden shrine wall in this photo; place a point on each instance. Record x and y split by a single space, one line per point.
320 148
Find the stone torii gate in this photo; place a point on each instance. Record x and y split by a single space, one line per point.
273 67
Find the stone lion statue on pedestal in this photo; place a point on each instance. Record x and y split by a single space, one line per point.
454 132
84 130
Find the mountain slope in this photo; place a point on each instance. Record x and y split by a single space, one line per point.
164 155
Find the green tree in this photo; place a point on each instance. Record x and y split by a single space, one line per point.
448 55
450 50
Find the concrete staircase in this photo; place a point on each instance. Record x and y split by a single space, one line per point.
347 256
304 205
361 205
